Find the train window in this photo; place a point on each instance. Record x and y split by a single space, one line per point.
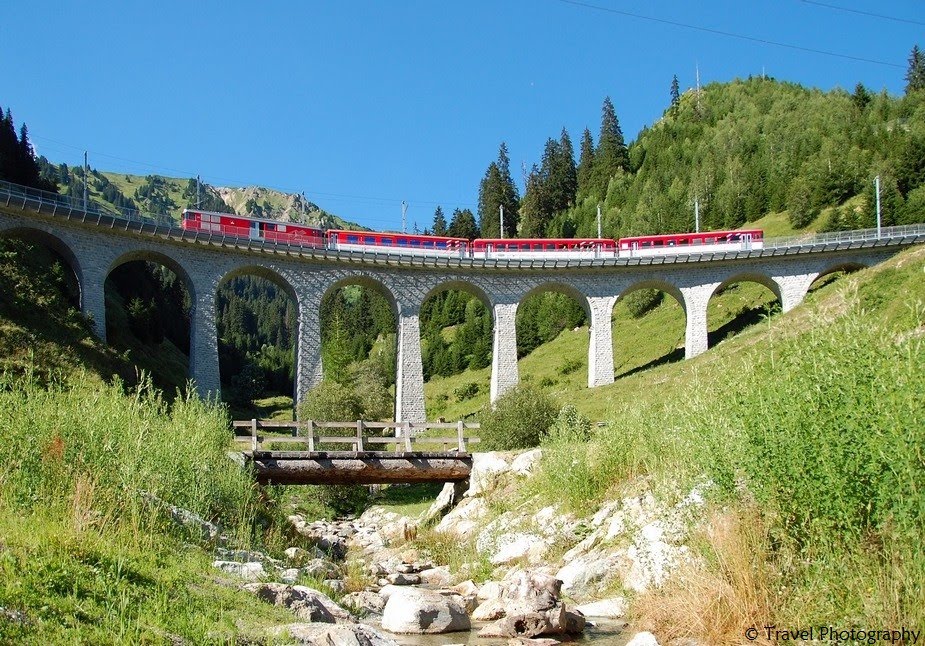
369 240
537 247
402 242
415 243
387 242
353 239
441 245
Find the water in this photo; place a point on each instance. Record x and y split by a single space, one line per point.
605 632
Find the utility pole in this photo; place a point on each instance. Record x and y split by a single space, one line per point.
501 208
696 216
198 193
86 178
302 208
599 221
877 190
404 210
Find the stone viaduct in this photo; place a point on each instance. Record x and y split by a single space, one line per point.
95 244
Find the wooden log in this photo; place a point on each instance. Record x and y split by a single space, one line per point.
379 470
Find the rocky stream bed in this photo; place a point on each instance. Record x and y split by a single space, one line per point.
553 576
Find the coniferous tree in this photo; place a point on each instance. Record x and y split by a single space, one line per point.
611 154
585 163
534 209
675 95
463 225
498 190
563 175
439 222
915 74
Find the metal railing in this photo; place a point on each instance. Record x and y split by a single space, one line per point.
10 192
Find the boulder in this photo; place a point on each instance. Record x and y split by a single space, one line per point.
364 602
305 605
397 578
525 463
336 611
461 522
437 577
250 571
643 639
451 493
486 469
516 546
337 635
614 608
417 611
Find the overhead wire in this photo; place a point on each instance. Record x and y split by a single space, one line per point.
863 13
728 34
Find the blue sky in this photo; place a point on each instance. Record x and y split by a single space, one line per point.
365 104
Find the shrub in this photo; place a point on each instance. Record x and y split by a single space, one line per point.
331 401
466 391
642 301
571 365
570 426
519 419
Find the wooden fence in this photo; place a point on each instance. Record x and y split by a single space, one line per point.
365 437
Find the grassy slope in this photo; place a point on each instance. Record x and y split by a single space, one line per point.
81 559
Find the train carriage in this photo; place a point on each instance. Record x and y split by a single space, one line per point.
399 243
543 248
252 228
687 243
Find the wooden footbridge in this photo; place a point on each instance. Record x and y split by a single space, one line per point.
296 453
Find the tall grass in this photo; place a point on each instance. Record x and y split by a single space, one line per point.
822 431
84 557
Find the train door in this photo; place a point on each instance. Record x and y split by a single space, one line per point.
747 241
256 230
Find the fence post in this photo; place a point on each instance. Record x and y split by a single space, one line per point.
359 443
459 436
254 443
406 431
311 435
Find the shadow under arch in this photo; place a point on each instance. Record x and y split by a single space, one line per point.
560 288
847 267
367 282
158 258
461 286
56 245
747 315
669 352
270 372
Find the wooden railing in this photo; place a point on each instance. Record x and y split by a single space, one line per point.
305 435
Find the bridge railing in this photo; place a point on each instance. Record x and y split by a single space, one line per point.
72 202
362 437
840 237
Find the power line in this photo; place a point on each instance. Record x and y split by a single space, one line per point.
864 13
727 34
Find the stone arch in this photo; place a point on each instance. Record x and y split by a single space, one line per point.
667 347
286 285
364 280
572 365
847 266
743 318
58 246
157 257
439 395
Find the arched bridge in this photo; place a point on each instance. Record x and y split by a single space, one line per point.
95 242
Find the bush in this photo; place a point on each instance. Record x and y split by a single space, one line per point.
570 366
642 301
330 401
570 426
519 419
466 391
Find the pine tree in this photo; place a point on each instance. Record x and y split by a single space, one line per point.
534 209
585 163
563 176
439 228
915 75
497 190
675 95
611 154
463 225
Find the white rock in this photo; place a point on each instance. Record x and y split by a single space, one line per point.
416 611
490 590
462 521
486 468
614 608
325 600
250 571
525 463
337 635
587 573
304 602
437 577
643 639
364 602
512 547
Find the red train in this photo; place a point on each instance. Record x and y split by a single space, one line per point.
527 248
